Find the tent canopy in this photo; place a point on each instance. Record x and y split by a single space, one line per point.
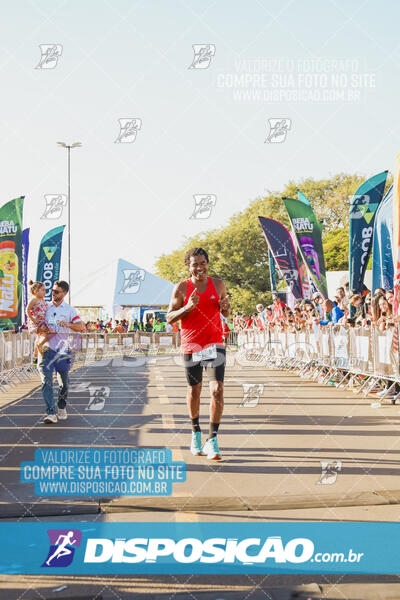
137 287
337 279
124 284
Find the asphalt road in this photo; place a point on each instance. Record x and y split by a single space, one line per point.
292 450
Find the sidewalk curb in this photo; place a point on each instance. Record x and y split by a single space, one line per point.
258 503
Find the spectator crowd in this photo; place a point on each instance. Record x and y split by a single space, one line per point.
345 308
125 326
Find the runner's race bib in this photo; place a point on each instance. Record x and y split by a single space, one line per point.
206 354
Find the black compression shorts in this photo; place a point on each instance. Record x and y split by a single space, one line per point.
215 368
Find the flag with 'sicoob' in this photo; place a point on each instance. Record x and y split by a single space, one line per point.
49 259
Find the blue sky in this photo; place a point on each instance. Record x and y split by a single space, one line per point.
128 59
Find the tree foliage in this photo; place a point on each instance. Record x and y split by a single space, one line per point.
336 249
239 254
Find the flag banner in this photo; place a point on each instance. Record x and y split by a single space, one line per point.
11 263
281 246
382 253
272 271
304 275
303 198
72 548
49 259
309 237
25 255
396 234
362 218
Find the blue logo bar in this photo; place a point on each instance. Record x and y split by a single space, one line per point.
127 548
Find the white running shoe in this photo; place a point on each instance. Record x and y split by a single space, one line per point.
386 394
62 414
50 419
211 449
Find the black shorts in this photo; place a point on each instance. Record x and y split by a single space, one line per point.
215 368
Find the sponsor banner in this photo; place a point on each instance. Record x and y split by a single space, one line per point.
362 217
396 234
49 259
11 263
309 237
382 255
103 472
25 256
254 548
281 246
304 275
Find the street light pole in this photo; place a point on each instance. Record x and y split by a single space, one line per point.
69 223
74 145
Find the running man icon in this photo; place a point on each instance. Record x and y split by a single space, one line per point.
63 543
62 549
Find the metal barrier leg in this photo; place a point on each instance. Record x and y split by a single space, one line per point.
305 368
363 385
352 381
316 372
387 391
332 374
371 385
327 376
346 375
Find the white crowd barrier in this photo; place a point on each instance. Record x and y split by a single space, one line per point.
323 353
98 346
17 350
16 357
334 351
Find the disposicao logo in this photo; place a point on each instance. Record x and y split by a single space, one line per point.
189 550
62 547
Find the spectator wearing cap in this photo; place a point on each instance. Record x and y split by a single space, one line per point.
332 312
262 319
358 303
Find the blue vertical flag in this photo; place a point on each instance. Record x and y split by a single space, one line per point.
362 218
382 253
49 259
25 254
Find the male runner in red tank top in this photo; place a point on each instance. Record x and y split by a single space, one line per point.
197 303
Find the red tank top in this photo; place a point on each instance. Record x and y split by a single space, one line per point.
202 325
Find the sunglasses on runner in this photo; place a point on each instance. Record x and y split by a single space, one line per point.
56 291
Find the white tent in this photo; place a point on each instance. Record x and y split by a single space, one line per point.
337 279
119 284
